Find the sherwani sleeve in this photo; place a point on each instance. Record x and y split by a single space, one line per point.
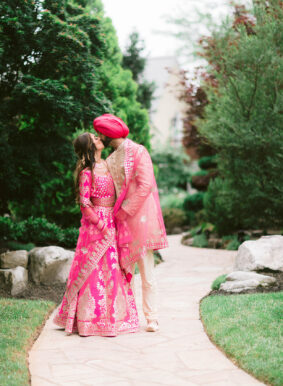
144 177
85 192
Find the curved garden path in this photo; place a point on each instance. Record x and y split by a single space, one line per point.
179 354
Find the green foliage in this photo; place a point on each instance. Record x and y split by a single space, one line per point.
120 88
233 245
200 241
60 67
244 122
173 200
173 217
217 282
15 245
38 231
173 171
134 60
201 173
207 162
223 207
194 202
70 237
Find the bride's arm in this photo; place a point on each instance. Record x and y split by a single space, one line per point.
86 205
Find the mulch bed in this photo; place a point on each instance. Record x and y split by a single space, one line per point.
39 292
274 288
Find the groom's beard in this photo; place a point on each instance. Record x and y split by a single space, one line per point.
106 141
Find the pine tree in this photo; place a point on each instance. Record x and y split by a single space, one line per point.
243 120
134 60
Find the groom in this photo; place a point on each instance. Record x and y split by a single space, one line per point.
140 226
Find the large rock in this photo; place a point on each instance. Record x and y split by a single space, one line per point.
240 281
15 280
243 275
50 265
14 259
264 253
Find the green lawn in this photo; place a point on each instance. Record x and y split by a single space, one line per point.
249 328
20 323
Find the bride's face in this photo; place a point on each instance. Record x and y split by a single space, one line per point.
97 142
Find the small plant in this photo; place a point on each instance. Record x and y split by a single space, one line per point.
217 282
200 241
233 245
231 242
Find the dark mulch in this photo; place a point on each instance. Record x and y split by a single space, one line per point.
274 288
43 292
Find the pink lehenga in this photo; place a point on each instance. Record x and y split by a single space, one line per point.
98 299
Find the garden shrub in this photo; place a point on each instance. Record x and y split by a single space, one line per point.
6 228
173 169
207 162
70 237
222 206
194 202
200 173
42 232
233 245
173 200
16 245
173 217
200 241
36 231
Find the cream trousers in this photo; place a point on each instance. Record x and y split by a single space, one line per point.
149 286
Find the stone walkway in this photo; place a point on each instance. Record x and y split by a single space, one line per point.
179 354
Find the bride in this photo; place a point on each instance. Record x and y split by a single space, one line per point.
98 299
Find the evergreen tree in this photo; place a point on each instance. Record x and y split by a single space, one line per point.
135 62
243 120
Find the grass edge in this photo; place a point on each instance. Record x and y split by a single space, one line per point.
230 357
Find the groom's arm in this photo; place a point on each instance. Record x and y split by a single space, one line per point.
144 177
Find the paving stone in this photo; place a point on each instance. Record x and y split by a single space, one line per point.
179 354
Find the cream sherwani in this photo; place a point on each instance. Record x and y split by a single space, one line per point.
117 162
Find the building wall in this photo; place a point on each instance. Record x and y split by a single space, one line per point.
167 111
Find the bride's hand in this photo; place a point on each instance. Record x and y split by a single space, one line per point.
103 228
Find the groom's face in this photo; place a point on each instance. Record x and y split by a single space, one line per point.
105 140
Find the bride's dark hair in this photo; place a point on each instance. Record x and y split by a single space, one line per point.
85 150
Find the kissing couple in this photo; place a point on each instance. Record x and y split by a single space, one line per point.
121 224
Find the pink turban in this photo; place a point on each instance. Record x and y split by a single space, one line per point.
111 126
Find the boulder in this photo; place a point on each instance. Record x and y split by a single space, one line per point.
243 275
264 253
14 279
238 286
14 259
50 265
240 281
